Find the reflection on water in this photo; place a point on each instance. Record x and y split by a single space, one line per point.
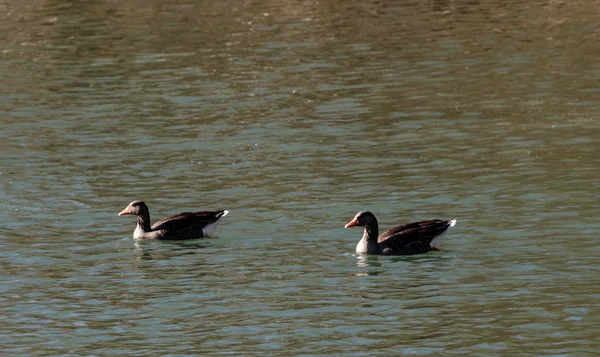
363 260
149 250
297 115
368 261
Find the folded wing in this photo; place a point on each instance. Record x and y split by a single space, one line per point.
187 225
400 239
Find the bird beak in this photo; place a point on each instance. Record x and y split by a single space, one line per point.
352 223
125 211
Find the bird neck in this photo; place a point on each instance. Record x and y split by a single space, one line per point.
368 244
371 232
144 221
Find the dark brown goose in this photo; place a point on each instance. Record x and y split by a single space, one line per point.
186 225
413 238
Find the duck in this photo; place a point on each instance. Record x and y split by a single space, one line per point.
186 225
407 239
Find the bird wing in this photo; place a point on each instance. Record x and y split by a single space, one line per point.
399 237
416 247
186 225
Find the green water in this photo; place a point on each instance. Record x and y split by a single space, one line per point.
295 115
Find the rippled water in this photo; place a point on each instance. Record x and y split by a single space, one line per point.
294 116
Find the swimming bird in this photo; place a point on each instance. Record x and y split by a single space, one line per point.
406 239
186 225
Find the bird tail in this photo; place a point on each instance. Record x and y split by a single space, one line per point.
222 214
436 243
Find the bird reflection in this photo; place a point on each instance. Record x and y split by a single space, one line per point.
141 251
162 250
367 261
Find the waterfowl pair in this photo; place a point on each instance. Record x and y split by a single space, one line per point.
186 225
413 238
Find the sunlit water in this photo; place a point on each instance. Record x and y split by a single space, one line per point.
294 116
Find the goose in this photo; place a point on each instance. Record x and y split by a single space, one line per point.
413 238
186 225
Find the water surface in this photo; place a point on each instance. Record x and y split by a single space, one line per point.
294 116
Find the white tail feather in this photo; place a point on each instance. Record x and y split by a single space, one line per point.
209 229
436 243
